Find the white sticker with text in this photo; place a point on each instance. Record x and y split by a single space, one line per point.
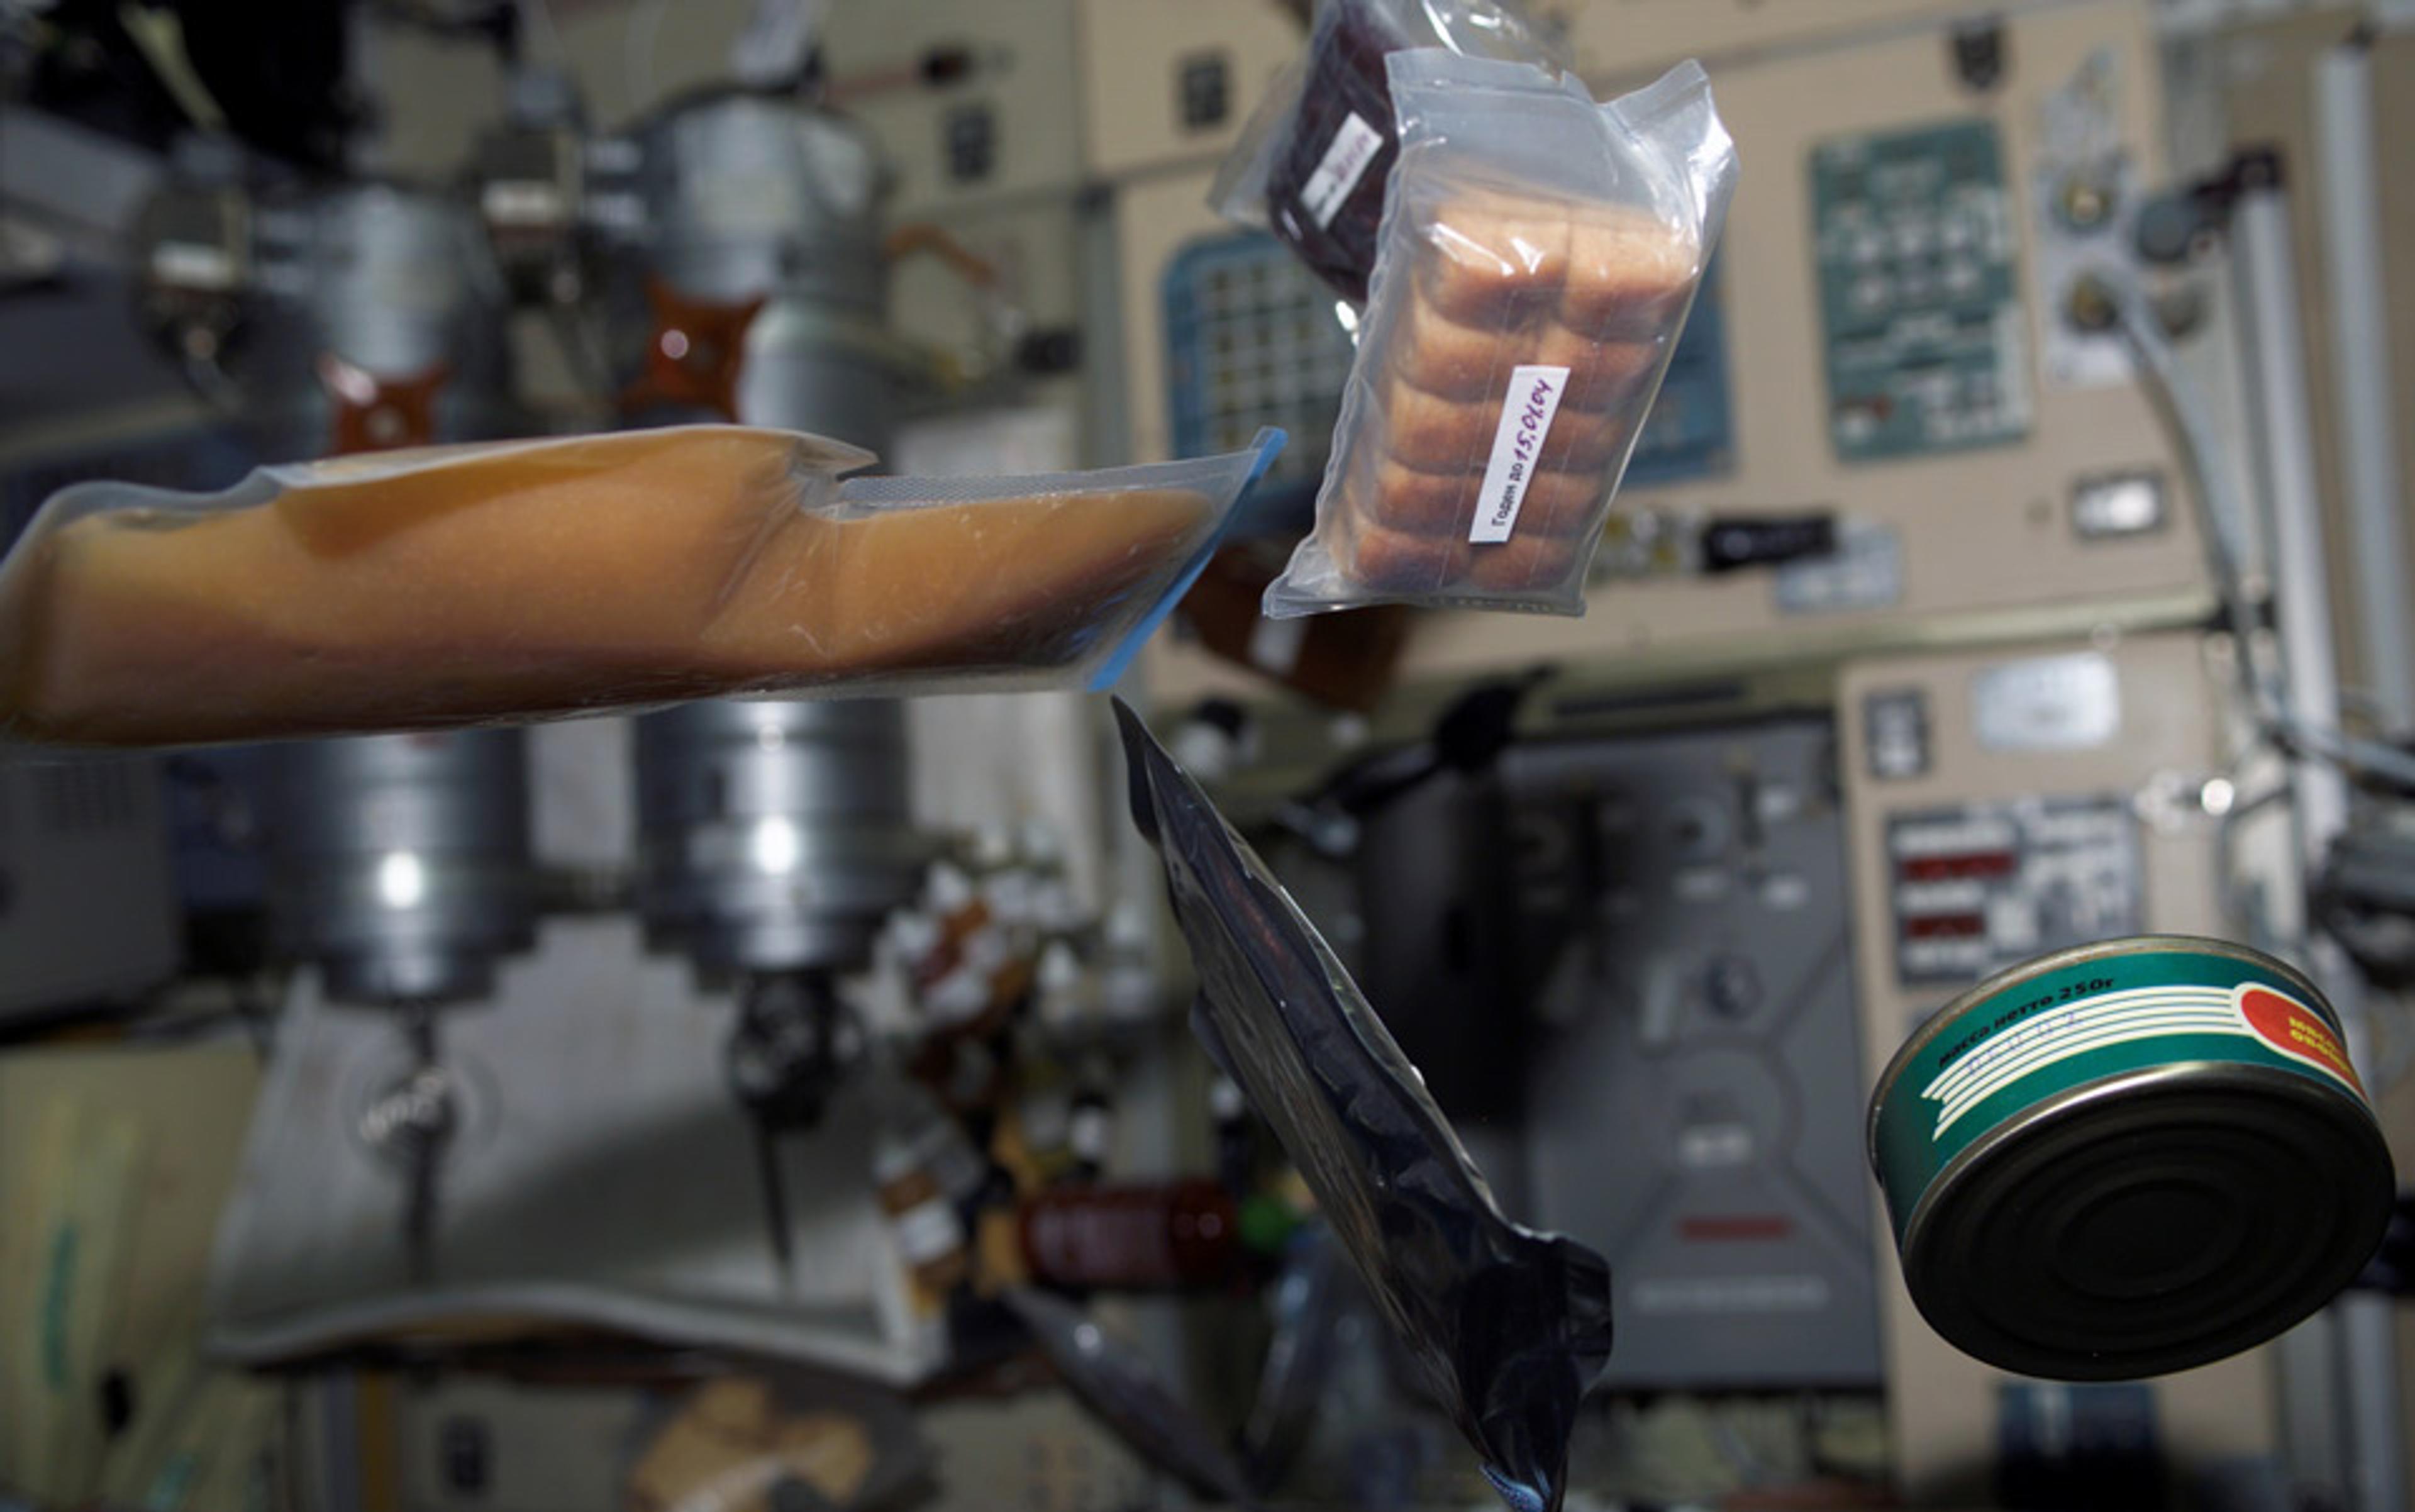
1354 147
1525 420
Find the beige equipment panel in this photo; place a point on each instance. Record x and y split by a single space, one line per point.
1985 529
1010 128
1035 248
1134 57
991 161
1610 39
1156 218
1984 537
2134 723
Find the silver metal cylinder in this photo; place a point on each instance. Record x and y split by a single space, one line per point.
775 836
400 863
748 195
397 864
396 282
743 197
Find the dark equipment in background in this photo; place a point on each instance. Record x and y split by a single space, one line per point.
276 83
1682 895
1655 924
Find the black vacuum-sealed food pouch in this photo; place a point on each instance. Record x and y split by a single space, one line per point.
1507 1327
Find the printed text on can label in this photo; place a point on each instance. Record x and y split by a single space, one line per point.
2017 1049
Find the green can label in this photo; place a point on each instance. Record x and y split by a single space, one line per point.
2064 1029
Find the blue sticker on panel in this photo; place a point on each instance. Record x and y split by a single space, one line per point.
1919 296
1690 431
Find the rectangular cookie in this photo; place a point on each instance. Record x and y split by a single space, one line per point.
1604 373
1523 563
1401 498
1434 434
1489 259
1427 350
1437 435
1380 560
1628 271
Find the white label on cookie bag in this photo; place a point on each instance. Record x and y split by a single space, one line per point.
1337 173
1517 442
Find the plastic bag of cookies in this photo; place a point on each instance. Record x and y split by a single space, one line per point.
1539 255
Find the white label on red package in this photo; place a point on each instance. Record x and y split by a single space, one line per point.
927 1231
1525 420
1346 157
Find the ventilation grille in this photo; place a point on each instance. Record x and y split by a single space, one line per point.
83 798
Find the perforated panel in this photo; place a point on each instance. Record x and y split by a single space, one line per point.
74 799
86 910
1251 340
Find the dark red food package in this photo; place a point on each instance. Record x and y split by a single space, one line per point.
1325 189
1313 165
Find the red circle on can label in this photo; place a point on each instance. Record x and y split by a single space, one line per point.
2295 1031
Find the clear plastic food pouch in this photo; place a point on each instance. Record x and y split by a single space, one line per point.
1121 1385
1539 254
1509 1328
461 585
1312 164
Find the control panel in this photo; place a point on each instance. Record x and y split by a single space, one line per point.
1979 886
1695 992
1920 309
2004 478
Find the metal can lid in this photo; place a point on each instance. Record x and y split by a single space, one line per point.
2150 1222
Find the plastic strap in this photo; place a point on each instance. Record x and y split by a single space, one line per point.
1267 444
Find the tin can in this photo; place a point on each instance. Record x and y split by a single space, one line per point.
2127 1159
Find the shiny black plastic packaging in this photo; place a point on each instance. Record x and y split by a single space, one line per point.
1509 1328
